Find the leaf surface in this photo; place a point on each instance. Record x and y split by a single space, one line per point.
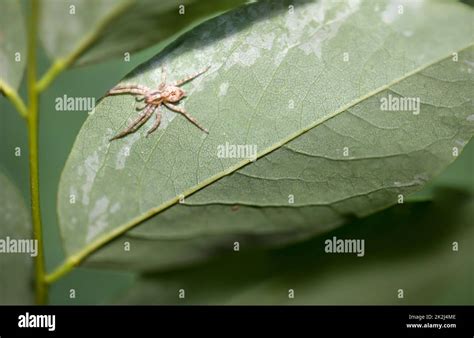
278 82
16 268
12 44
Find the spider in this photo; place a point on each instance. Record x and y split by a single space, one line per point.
165 94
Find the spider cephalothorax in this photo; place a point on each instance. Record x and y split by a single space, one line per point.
165 94
173 93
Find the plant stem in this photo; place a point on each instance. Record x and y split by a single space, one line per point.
32 119
14 98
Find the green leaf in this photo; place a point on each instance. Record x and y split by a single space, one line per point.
16 268
92 31
278 81
12 44
407 247
185 235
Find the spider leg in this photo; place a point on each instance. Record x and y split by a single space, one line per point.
138 108
154 95
190 77
156 123
137 123
186 114
132 89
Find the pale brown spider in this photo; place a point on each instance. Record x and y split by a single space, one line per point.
166 94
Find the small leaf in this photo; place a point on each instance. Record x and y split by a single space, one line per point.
15 225
12 44
279 82
96 30
407 247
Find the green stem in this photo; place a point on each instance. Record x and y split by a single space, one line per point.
30 113
57 67
14 98
61 270
32 119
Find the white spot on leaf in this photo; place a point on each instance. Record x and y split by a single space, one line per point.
223 88
114 208
245 55
91 166
97 218
329 29
264 41
125 151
